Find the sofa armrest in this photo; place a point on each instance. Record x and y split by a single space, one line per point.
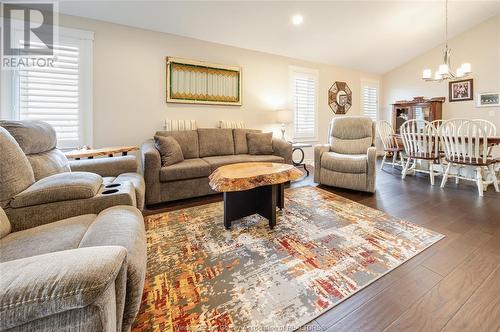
59 187
319 149
39 286
282 149
151 163
372 168
106 166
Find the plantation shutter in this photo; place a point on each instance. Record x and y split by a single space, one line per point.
305 92
369 101
51 94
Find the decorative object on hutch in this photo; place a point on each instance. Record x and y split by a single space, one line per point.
419 108
197 82
488 99
461 90
340 97
444 72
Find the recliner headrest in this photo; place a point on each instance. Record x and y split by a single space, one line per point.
33 136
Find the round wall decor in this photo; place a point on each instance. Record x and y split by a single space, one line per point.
340 98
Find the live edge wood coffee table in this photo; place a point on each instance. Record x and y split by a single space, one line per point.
251 188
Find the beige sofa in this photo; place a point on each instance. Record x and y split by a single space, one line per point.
204 150
84 273
348 161
39 185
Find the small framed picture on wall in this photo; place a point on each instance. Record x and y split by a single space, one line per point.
461 90
488 99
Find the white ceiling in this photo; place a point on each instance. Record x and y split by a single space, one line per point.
374 36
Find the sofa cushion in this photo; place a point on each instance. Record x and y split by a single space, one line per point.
215 142
4 224
240 140
170 150
187 169
59 187
345 163
55 236
268 158
260 143
218 161
15 171
32 136
187 139
48 163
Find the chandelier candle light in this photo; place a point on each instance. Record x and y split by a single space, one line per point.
444 72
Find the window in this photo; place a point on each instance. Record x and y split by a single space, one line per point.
369 99
60 94
305 103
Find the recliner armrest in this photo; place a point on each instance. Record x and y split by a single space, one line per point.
319 149
282 149
106 166
39 286
59 187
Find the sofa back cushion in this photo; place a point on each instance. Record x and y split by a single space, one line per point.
32 136
48 163
351 134
260 143
215 142
15 170
4 224
240 140
187 139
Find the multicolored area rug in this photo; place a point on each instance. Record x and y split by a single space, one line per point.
324 248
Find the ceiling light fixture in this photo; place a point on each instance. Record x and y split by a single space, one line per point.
444 72
297 19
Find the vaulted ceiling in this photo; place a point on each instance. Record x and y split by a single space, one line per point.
374 36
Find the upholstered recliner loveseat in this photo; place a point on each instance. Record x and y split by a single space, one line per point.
204 150
84 273
349 160
38 184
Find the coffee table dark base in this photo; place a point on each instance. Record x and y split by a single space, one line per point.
262 200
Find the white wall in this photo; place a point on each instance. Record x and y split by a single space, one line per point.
480 46
129 84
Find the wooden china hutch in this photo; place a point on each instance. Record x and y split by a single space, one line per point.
418 108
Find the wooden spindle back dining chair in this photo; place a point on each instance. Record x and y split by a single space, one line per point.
390 143
466 145
421 143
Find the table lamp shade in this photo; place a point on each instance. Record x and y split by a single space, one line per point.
284 116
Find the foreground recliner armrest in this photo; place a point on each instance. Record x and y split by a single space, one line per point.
106 166
59 187
46 285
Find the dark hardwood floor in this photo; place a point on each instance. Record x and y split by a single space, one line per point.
452 286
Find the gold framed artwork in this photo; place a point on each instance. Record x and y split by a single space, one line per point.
198 82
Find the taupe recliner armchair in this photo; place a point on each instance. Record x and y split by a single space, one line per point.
349 160
38 184
84 273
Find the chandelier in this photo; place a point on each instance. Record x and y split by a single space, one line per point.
444 72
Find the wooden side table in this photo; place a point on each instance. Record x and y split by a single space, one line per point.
91 153
299 147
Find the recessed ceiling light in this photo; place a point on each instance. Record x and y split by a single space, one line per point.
297 19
